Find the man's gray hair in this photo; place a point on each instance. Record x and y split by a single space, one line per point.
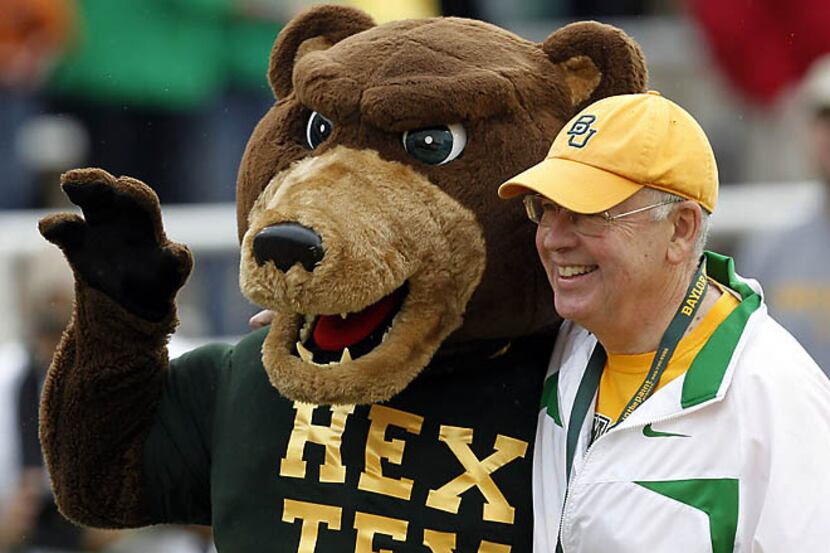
662 212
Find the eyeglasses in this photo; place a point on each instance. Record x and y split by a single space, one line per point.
544 212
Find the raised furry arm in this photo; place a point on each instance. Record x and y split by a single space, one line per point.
107 375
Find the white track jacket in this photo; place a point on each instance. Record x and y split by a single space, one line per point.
733 456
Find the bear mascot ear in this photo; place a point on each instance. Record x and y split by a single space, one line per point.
318 28
597 60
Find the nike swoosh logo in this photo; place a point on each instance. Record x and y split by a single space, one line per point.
649 432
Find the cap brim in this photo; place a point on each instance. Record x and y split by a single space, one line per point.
573 185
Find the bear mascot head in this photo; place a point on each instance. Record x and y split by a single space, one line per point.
412 325
366 199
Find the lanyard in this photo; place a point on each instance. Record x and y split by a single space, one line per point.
593 373
590 380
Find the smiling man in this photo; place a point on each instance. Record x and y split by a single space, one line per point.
676 414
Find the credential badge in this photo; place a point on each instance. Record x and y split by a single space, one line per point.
581 132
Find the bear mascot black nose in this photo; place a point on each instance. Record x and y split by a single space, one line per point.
287 244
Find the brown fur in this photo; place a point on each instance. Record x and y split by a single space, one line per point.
619 59
121 353
94 456
384 217
582 77
511 96
330 23
353 199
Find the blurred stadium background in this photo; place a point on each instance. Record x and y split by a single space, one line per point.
168 91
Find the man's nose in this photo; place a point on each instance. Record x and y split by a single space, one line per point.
557 230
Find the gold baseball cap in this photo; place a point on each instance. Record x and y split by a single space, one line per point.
615 147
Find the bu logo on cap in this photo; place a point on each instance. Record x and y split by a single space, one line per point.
581 132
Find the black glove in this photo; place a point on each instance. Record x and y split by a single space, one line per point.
119 246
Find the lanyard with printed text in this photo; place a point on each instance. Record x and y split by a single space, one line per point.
671 337
589 385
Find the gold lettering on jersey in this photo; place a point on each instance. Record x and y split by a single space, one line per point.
694 296
330 437
439 542
490 547
477 473
378 447
311 515
368 525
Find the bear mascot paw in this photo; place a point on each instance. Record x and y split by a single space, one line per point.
393 400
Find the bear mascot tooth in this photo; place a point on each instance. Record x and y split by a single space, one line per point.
392 402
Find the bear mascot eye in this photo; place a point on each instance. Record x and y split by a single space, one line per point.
436 145
317 130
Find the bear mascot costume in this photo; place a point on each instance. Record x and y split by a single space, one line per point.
392 402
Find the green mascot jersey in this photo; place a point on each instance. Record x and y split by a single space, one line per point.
444 466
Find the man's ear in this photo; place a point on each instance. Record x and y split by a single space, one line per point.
687 219
318 28
598 60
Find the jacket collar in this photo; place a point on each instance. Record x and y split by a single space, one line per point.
707 374
710 373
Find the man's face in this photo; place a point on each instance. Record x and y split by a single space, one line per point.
605 276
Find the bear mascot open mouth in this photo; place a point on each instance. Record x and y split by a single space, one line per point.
397 389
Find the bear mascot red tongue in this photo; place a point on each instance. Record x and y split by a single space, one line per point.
392 402
334 333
